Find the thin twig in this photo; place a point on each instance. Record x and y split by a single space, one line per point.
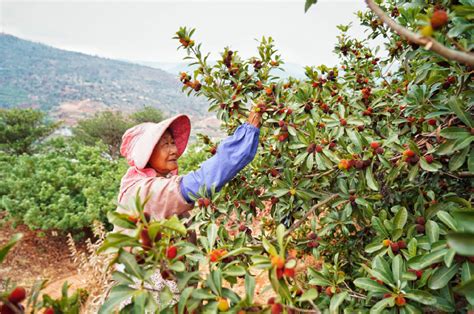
309 212
428 42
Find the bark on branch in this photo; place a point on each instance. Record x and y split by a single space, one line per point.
428 42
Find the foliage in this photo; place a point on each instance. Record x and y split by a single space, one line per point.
66 186
106 126
21 128
109 126
194 155
147 114
391 136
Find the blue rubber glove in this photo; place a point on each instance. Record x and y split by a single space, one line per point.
233 154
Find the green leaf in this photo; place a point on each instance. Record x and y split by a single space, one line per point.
448 258
175 224
131 265
280 233
308 295
400 218
433 167
466 288
11 243
203 294
336 301
454 104
465 219
432 230
183 298
234 271
212 235
118 294
249 287
420 296
308 4
447 219
462 242
442 276
271 250
423 261
178 266
371 183
397 268
381 305
370 285
319 279
454 133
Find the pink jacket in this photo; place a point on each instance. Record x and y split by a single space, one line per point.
166 198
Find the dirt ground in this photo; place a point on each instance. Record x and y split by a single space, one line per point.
39 255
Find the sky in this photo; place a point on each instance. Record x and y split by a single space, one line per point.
142 30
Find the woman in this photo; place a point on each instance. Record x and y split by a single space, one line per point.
152 150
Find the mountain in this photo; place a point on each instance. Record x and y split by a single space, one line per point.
70 85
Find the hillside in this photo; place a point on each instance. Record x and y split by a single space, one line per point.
69 84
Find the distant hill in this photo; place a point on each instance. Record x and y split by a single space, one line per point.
69 84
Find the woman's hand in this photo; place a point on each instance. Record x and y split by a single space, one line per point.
254 118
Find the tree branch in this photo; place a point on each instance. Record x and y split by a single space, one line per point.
428 42
309 212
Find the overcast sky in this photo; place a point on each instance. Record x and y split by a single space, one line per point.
143 30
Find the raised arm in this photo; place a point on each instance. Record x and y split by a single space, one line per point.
233 154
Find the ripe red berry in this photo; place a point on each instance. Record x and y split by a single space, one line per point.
145 239
328 291
408 153
312 236
213 150
277 308
394 246
49 310
271 300
319 148
432 122
420 228
206 202
420 220
289 272
387 295
374 145
343 122
171 252
17 295
400 301
429 158
379 150
439 19
402 244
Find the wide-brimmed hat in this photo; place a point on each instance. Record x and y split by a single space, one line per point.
139 141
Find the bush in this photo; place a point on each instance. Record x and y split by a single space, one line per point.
66 186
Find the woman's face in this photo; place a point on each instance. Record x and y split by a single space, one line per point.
165 154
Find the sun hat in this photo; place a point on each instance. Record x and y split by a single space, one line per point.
139 141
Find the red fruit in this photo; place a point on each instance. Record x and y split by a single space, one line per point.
408 153
359 164
387 295
147 216
171 252
432 122
402 244
271 300
394 246
277 308
274 172
439 19
400 301
328 291
311 148
281 123
319 148
289 272
17 295
145 239
420 220
332 144
282 137
279 273
374 145
343 122
418 273
49 310
274 200
5 309
360 128
242 228
206 202
213 150
201 202
313 244
278 262
420 228
289 111
429 158
379 151
312 236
